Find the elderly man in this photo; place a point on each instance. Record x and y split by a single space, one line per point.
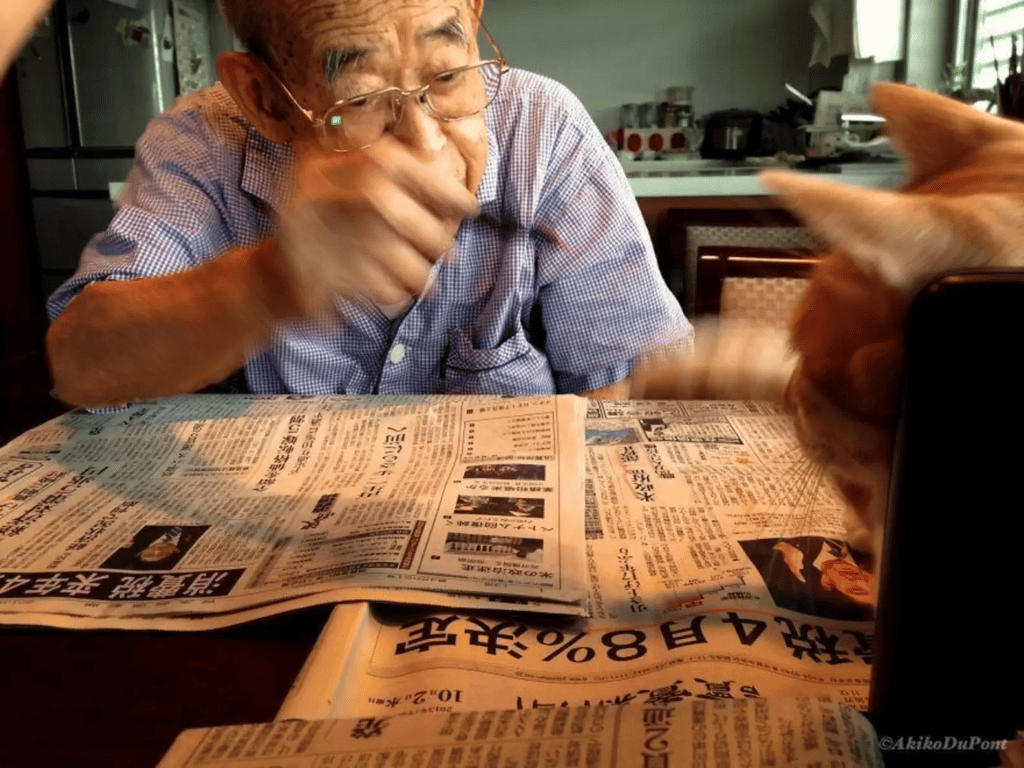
367 203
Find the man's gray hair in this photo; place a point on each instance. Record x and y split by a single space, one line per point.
255 23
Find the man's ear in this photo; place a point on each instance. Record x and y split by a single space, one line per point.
478 7
258 96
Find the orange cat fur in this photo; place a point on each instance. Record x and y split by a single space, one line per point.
840 374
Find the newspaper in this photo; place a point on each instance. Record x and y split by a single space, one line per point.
795 732
717 571
203 511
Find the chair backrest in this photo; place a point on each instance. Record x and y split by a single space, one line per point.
752 283
692 228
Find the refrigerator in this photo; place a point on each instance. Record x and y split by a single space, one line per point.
89 80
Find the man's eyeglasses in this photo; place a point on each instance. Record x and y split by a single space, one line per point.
455 94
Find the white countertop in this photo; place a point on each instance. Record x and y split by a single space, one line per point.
698 178
703 178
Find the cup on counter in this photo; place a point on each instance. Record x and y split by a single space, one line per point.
654 140
679 94
628 116
647 114
681 98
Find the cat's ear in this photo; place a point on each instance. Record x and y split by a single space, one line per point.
905 239
932 132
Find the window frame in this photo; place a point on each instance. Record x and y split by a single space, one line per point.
967 43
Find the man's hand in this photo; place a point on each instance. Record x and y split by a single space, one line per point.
19 16
794 559
369 223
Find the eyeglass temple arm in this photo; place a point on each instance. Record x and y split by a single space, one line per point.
501 57
316 121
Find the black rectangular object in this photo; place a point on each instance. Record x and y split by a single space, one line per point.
948 650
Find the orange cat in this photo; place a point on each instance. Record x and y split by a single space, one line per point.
838 369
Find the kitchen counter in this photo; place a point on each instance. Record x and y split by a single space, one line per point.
721 178
688 202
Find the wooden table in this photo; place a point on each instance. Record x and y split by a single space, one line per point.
112 699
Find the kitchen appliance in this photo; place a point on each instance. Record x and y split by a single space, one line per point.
829 131
92 76
737 134
681 99
653 128
96 72
733 134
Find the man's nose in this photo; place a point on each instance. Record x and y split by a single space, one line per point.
419 129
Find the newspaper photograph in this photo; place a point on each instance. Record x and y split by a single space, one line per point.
226 505
717 571
799 732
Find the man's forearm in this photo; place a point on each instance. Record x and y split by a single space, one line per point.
620 390
168 335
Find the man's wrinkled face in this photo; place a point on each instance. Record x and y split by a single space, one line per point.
334 50
847 578
157 551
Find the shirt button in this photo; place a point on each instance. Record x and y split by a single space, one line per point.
398 353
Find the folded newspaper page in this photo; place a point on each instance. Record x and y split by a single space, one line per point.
717 571
793 732
203 511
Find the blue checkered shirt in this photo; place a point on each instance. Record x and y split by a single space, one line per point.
554 288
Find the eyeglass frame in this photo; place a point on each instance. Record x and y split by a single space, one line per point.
320 124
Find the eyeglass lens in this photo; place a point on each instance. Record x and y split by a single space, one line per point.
451 95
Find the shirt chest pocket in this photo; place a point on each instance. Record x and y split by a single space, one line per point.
514 367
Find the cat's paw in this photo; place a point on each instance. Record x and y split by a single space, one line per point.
860 540
731 360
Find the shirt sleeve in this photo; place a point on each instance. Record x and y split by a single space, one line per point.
171 215
603 300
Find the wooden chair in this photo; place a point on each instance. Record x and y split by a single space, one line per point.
770 231
752 283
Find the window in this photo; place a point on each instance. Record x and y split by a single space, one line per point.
995 21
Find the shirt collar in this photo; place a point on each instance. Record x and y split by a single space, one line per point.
488 190
267 169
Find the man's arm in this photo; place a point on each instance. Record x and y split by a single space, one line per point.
618 391
128 339
603 301
122 341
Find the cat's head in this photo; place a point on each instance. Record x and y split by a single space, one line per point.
962 205
838 367
962 208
